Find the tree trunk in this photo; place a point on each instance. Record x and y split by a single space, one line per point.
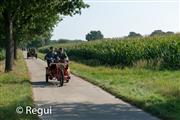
9 41
15 48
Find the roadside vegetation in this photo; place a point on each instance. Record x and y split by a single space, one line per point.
143 71
162 52
41 55
15 90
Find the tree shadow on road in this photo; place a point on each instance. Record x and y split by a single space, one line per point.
89 111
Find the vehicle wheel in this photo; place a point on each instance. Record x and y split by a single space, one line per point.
28 55
47 78
61 79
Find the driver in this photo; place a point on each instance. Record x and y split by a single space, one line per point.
50 56
61 56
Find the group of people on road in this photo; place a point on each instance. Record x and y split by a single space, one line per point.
56 55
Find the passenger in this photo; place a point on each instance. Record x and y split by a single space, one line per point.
50 56
55 51
61 55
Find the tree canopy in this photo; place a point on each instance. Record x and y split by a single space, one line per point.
160 32
26 20
94 35
157 32
133 34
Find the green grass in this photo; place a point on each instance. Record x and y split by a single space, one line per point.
157 92
15 90
41 55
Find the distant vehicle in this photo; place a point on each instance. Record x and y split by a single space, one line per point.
31 52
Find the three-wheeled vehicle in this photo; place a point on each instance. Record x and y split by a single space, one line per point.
59 71
31 53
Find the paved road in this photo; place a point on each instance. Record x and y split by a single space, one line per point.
78 99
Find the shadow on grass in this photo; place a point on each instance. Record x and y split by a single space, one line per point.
8 112
90 111
97 63
169 110
89 62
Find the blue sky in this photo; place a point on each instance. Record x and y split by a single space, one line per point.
116 18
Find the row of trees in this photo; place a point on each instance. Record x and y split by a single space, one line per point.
61 41
154 33
26 20
96 35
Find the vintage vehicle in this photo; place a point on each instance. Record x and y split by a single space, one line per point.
58 71
31 52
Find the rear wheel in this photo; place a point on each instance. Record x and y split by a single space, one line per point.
47 78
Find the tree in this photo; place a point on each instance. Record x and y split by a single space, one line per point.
94 35
133 34
28 17
2 37
169 33
157 32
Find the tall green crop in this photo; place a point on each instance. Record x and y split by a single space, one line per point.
126 52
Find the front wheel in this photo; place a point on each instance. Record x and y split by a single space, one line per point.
61 81
47 78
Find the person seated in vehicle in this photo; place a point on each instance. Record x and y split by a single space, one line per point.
50 56
55 51
61 55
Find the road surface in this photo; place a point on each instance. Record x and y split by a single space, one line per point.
78 99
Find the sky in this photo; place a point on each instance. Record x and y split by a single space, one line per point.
116 18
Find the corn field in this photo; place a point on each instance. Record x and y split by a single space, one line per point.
163 50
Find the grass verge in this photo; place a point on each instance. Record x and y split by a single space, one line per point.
41 56
15 90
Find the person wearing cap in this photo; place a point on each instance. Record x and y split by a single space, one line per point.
50 56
